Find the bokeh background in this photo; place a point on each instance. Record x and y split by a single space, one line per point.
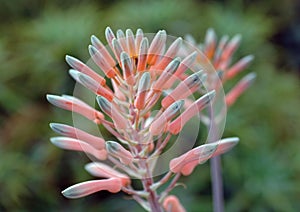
261 174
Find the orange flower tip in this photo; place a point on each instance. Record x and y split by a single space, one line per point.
83 189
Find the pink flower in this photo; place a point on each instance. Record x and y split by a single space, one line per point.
149 100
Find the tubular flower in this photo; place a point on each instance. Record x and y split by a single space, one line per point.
144 76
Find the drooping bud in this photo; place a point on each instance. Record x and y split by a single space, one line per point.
83 189
210 43
143 88
138 39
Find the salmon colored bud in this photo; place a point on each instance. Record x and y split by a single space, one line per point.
91 84
73 104
176 125
101 62
186 163
119 120
102 170
127 68
103 51
109 35
143 88
158 125
172 204
80 66
166 74
119 151
117 48
210 43
138 39
73 132
122 40
77 145
231 47
156 47
83 189
130 42
169 55
184 88
142 57
239 66
240 88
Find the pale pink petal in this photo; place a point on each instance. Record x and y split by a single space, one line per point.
83 189
103 51
69 131
186 163
119 151
73 104
78 145
91 84
99 59
102 170
111 110
80 66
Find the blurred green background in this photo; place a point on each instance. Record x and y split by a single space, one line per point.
261 174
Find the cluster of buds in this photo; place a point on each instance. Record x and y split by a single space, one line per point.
148 102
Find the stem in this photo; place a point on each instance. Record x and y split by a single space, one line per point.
215 168
217 184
